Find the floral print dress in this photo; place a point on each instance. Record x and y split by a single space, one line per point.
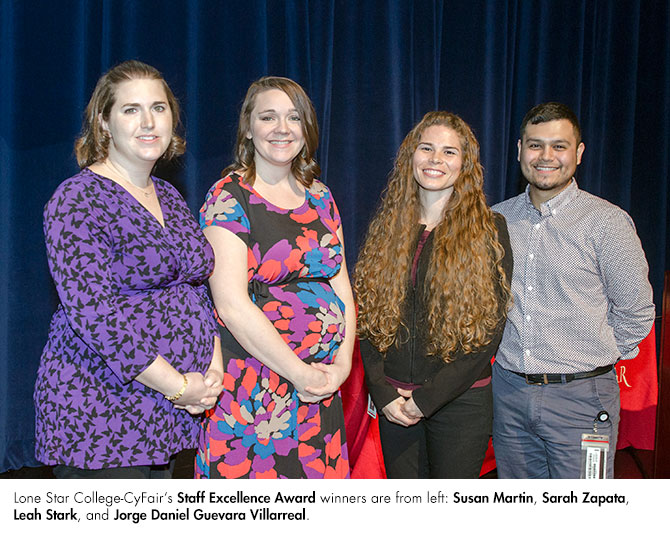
259 428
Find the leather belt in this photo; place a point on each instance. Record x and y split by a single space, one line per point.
552 378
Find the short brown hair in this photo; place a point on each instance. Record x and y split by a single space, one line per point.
92 145
304 167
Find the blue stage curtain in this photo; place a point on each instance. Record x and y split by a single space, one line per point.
372 68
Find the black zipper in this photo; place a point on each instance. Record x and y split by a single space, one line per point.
416 295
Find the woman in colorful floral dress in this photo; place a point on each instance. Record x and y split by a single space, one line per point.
283 298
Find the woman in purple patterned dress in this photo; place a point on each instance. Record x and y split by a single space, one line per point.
133 350
283 297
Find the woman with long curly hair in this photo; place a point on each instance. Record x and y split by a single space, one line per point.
432 286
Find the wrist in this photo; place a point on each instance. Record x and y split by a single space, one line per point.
179 393
301 374
342 365
216 368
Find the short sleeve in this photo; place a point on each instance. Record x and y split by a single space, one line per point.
325 206
223 207
337 220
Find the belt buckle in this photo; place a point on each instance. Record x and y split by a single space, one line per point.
544 381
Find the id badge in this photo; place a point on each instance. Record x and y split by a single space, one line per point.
594 456
372 410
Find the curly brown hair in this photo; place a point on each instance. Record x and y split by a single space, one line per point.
92 145
304 167
463 298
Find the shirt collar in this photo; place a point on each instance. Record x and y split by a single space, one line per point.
555 204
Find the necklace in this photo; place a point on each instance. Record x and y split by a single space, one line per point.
144 191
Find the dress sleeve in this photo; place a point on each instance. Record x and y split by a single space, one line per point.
325 206
373 363
80 251
335 212
456 377
223 207
508 258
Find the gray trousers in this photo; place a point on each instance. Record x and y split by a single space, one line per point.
537 429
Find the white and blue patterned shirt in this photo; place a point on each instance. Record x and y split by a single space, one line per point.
582 297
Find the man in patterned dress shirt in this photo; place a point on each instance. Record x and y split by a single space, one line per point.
582 301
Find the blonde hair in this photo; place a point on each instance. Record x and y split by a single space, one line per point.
463 299
304 167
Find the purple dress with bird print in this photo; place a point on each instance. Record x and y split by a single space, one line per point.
130 290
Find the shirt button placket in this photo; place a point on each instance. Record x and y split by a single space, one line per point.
530 304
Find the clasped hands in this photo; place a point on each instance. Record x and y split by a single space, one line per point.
320 381
201 392
403 410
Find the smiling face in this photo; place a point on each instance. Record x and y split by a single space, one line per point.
549 155
437 160
139 123
276 130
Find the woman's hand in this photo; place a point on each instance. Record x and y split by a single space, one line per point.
409 408
213 378
394 413
335 374
309 381
201 392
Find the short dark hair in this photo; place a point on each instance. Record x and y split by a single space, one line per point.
551 111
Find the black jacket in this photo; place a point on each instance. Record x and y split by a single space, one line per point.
407 362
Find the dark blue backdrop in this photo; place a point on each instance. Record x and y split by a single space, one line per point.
372 68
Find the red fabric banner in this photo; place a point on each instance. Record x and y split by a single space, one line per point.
638 383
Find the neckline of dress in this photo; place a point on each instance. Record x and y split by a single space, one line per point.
158 197
264 199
